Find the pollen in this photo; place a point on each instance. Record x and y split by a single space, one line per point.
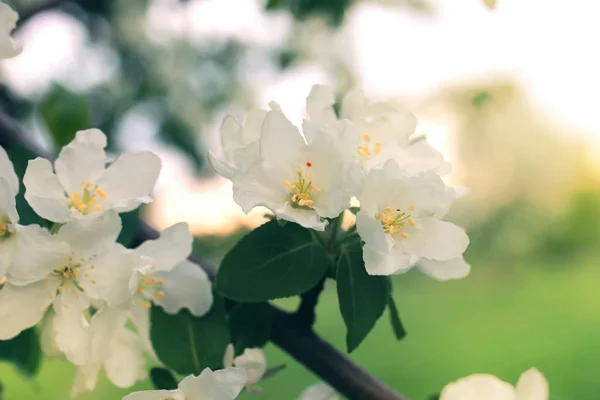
100 193
367 138
367 148
393 220
86 200
302 190
146 304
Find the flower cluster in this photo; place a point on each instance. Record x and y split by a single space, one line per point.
369 153
76 278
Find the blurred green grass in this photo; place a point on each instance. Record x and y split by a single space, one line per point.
502 320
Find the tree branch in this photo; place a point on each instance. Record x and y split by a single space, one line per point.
303 344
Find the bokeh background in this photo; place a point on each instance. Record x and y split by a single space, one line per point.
508 93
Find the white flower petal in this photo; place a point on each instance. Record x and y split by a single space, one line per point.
7 170
70 325
44 193
107 276
48 337
231 134
172 247
129 181
22 307
125 363
81 160
456 268
156 395
254 362
306 218
89 238
478 387
8 247
225 384
377 263
8 21
372 233
8 205
259 185
186 286
140 317
437 240
532 385
280 141
319 391
319 104
221 166
229 356
37 254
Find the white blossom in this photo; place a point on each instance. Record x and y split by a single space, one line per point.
224 384
65 270
167 278
399 221
9 187
382 132
319 391
300 179
8 21
240 143
531 386
252 360
82 187
112 346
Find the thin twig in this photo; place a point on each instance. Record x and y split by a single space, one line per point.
302 344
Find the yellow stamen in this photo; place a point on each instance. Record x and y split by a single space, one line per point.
367 138
404 235
100 193
159 295
146 304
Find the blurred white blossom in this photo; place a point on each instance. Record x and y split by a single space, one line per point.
532 385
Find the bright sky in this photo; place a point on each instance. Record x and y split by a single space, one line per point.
550 46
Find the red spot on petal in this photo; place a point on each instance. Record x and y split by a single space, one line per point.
308 164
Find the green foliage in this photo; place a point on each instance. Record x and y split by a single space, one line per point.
250 325
434 397
182 136
188 344
20 157
362 297
271 262
64 113
163 379
23 351
481 99
334 10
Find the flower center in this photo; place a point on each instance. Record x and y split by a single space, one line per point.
4 229
150 287
393 220
86 202
302 190
368 148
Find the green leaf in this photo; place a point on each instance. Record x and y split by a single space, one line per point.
250 325
397 326
271 262
20 156
64 113
23 351
362 297
188 344
434 397
163 379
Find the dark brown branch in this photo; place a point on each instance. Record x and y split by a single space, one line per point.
303 344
